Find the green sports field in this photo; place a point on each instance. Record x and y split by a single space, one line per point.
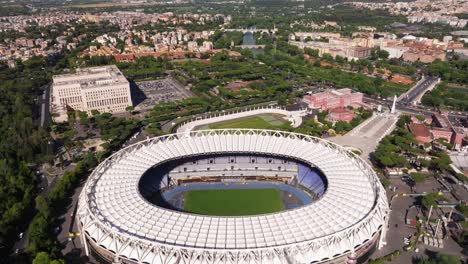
233 202
264 121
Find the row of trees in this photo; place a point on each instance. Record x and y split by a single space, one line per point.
42 237
454 70
22 145
446 95
41 233
324 127
394 150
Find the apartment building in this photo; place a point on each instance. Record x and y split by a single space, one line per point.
336 48
104 89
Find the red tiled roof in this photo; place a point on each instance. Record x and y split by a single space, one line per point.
339 111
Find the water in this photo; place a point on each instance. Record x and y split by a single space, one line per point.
248 39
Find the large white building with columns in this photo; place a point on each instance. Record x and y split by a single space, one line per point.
97 88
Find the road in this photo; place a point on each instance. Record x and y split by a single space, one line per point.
71 247
410 97
45 185
420 110
44 104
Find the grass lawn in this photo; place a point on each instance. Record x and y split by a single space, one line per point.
233 202
264 121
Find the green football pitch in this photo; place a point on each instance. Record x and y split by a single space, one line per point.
233 202
264 121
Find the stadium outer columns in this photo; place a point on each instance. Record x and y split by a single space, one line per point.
351 216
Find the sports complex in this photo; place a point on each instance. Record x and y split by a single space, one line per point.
233 196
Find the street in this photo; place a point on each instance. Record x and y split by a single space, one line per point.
417 91
415 110
71 246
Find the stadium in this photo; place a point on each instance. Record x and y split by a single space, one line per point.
232 196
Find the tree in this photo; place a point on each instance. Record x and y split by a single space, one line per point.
463 209
441 259
430 200
377 53
383 54
420 117
83 116
442 162
129 108
41 258
38 234
340 60
327 56
311 52
42 206
403 121
418 177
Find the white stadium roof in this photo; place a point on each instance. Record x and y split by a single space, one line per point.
114 214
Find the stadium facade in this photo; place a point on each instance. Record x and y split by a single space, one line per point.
347 220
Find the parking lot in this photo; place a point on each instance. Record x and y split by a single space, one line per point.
149 93
458 120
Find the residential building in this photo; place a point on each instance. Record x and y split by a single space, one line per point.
441 127
345 49
424 55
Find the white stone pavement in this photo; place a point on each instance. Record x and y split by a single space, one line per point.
368 134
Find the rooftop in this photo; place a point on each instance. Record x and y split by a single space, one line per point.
87 77
354 199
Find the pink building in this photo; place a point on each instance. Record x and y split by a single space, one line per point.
334 99
442 133
458 136
456 133
340 114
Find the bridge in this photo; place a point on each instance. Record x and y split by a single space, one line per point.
251 30
251 46
413 96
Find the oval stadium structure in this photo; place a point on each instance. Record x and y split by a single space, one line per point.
341 217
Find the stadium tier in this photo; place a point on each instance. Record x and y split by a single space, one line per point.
119 225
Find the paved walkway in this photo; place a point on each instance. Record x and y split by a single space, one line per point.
368 134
